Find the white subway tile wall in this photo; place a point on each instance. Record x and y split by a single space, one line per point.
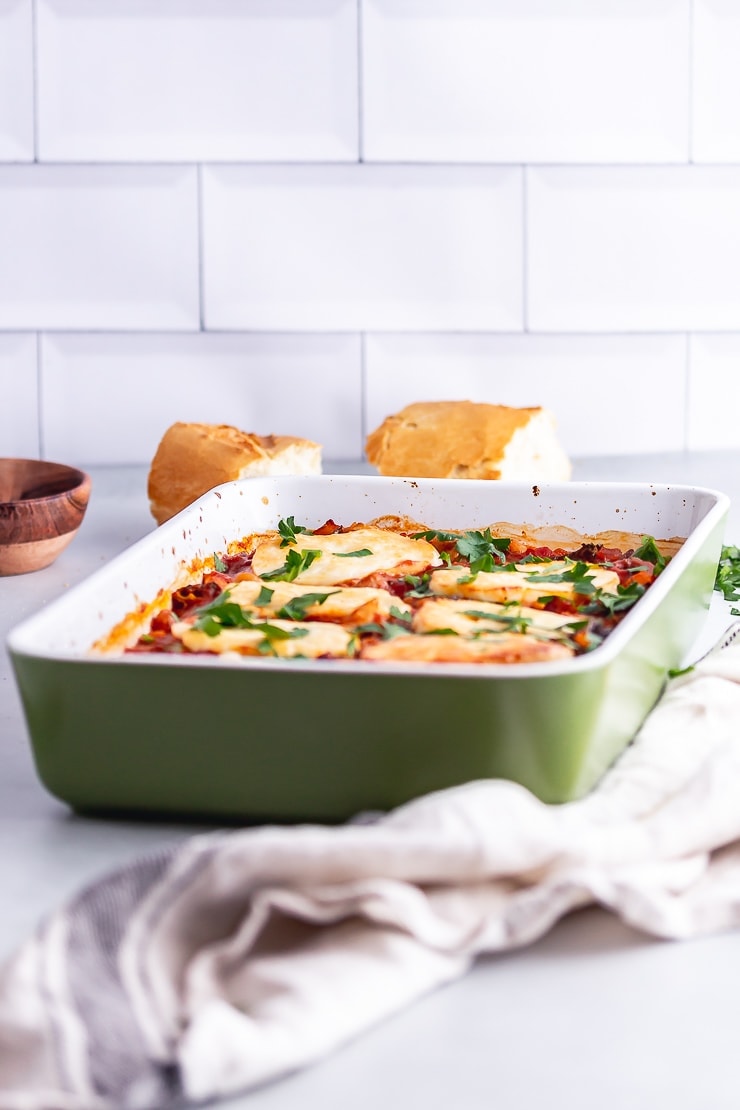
299 215
362 247
716 110
98 247
150 381
634 249
186 81
16 81
526 80
19 407
588 382
714 391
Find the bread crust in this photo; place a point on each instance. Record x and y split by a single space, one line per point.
193 457
465 439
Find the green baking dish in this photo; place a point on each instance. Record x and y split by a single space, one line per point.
294 740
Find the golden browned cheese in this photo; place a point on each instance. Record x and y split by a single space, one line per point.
464 439
375 549
327 608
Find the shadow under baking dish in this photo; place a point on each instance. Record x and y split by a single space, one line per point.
262 739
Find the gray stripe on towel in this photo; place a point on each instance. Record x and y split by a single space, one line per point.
120 1069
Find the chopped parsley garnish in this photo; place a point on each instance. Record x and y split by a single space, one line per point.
625 598
295 609
264 597
676 672
484 551
648 550
572 626
512 622
359 554
386 631
295 563
288 529
399 623
727 580
587 611
433 534
401 615
271 633
419 584
222 613
578 575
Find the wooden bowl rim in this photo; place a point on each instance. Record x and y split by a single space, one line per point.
78 479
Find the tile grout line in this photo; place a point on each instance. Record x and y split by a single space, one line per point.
690 90
39 394
687 391
360 87
525 250
35 79
363 392
199 234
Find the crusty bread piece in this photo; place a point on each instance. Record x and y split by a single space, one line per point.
463 439
193 458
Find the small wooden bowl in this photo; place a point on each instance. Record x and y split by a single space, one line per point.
41 508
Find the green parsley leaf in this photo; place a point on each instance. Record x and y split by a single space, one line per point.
483 551
578 574
359 554
514 623
295 609
295 563
222 613
219 564
727 580
385 631
219 614
420 585
288 529
401 616
273 633
572 626
625 598
648 550
433 534
264 597
371 628
676 672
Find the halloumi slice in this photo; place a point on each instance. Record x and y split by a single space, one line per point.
520 584
469 618
314 639
345 556
508 647
343 603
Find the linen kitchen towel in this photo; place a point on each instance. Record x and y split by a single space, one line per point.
233 958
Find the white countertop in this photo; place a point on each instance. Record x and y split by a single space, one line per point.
594 1015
